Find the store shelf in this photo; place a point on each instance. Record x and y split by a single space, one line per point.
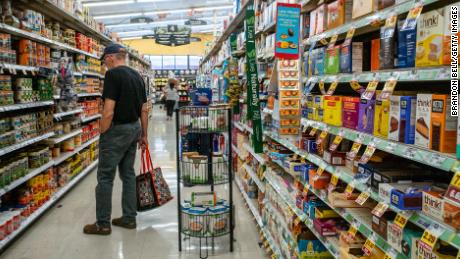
250 203
90 118
429 157
64 137
234 24
14 69
258 157
289 200
89 95
40 211
66 155
255 178
38 38
441 73
364 25
238 125
448 234
15 107
60 115
26 143
25 178
87 73
238 152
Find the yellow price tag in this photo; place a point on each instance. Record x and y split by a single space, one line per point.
400 220
362 198
323 135
306 188
333 40
323 41
321 87
319 171
429 238
273 256
349 190
456 180
266 243
312 132
297 221
391 21
335 143
368 247
334 180
380 209
352 231
356 86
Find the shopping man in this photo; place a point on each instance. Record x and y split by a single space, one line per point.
125 102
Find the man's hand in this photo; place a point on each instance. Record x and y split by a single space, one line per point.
143 142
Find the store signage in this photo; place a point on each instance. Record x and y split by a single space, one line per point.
253 80
173 35
287 31
195 22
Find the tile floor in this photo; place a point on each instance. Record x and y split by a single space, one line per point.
58 234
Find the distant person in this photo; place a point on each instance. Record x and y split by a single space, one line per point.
125 102
171 97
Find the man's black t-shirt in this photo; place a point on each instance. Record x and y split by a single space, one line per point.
126 87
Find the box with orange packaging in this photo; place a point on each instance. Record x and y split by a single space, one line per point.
91 107
33 54
421 119
90 131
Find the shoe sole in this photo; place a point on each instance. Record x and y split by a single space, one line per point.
124 226
99 233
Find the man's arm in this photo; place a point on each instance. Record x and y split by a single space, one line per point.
107 115
143 142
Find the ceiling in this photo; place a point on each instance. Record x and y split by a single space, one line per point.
117 14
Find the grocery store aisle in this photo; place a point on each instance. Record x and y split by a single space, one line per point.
58 234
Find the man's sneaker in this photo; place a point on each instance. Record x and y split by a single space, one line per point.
94 229
119 222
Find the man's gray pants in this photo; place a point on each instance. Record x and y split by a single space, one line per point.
117 147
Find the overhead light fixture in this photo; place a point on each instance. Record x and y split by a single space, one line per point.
107 3
121 15
162 22
131 38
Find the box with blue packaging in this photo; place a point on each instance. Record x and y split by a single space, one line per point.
409 198
407 45
351 57
402 119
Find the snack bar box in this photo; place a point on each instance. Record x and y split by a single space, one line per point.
332 113
350 112
409 198
366 116
402 119
423 120
430 35
443 126
381 118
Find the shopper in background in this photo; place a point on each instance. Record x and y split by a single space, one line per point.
125 101
171 97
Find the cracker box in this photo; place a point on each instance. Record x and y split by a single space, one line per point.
350 112
381 118
332 113
363 7
332 66
407 45
433 204
402 119
443 126
375 54
430 35
423 120
351 57
366 116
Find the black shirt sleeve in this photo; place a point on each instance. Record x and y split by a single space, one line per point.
111 87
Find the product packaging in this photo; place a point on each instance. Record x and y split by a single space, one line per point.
406 46
387 47
380 224
382 4
402 119
350 112
381 118
337 13
409 198
321 19
366 116
351 57
332 60
430 35
443 125
423 120
433 204
363 7
375 54
451 214
335 157
333 110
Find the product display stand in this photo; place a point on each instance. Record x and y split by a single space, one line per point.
203 160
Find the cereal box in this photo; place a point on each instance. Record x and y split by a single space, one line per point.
443 131
332 113
430 34
423 120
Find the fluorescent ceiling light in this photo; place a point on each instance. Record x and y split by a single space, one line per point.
214 8
164 22
131 38
107 3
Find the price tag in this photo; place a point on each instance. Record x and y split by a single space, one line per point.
456 180
319 171
321 87
352 231
412 16
438 160
332 88
349 36
354 150
24 72
334 180
273 256
380 209
431 234
367 154
370 90
349 190
297 221
322 136
313 132
323 41
388 89
368 247
306 188
356 86
332 41
335 143
362 198
400 220
391 21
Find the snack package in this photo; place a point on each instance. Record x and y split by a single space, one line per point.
423 120
381 118
406 46
430 35
443 126
363 7
351 57
402 119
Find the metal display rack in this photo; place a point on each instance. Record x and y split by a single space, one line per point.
207 170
